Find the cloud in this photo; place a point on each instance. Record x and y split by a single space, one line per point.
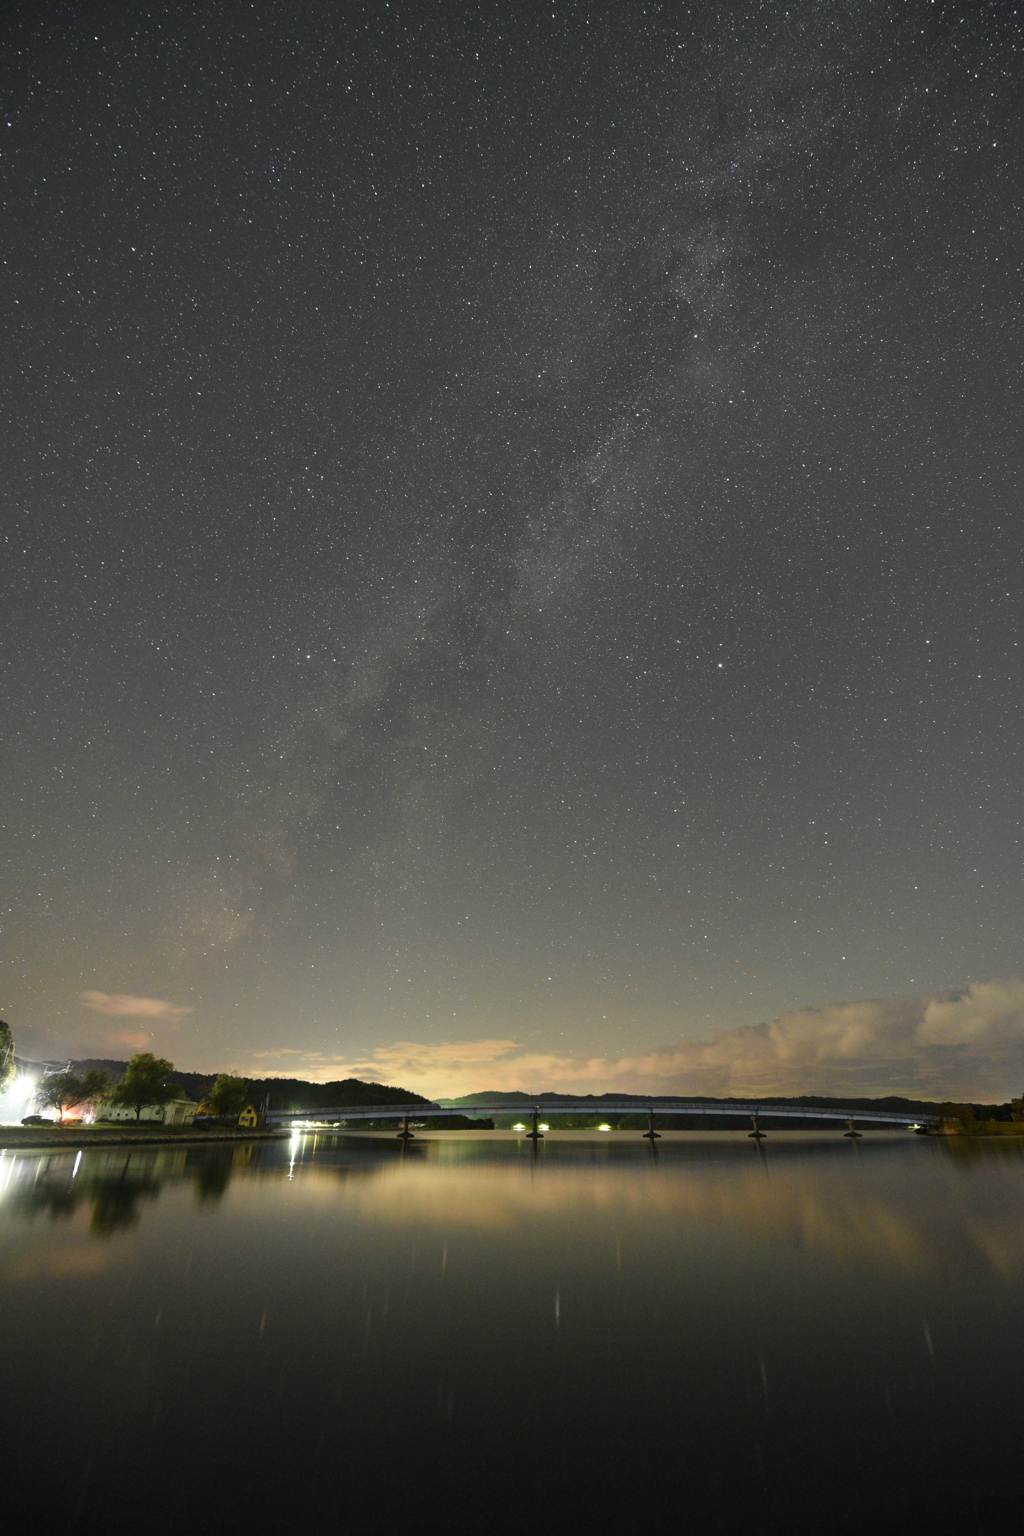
949 1045
136 1039
123 1005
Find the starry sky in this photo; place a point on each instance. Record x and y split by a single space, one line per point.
511 528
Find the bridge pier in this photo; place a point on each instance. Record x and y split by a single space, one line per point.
536 1134
756 1134
651 1134
405 1134
853 1130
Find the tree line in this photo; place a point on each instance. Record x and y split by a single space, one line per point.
147 1084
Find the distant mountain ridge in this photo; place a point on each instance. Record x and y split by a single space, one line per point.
594 1101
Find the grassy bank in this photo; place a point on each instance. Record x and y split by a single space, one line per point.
982 1128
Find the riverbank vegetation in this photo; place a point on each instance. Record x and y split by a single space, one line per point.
979 1119
273 1094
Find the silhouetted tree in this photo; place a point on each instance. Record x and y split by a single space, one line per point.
60 1091
6 1055
95 1085
144 1083
960 1113
66 1090
228 1095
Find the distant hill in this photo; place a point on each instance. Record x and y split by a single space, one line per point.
586 1100
284 1093
87 1063
293 1093
593 1102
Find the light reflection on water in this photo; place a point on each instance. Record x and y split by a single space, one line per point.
604 1331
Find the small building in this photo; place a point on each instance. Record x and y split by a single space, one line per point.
180 1112
248 1119
177 1112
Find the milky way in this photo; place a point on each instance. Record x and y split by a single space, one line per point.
511 520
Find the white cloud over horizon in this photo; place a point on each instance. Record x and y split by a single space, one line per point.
122 1005
945 1045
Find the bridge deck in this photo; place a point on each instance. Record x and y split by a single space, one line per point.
655 1106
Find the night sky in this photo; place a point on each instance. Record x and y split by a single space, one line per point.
511 540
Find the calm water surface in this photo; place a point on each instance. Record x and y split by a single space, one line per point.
813 1335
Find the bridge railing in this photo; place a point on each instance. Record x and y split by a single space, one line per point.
360 1112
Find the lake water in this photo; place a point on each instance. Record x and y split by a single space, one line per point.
813 1334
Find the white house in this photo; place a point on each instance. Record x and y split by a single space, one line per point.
177 1112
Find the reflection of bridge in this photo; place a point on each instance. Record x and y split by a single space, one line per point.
418 1112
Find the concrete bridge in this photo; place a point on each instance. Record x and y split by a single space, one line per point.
353 1114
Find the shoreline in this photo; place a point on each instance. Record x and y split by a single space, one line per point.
31 1139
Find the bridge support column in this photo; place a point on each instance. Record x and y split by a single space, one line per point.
756 1134
651 1134
853 1130
405 1134
535 1133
